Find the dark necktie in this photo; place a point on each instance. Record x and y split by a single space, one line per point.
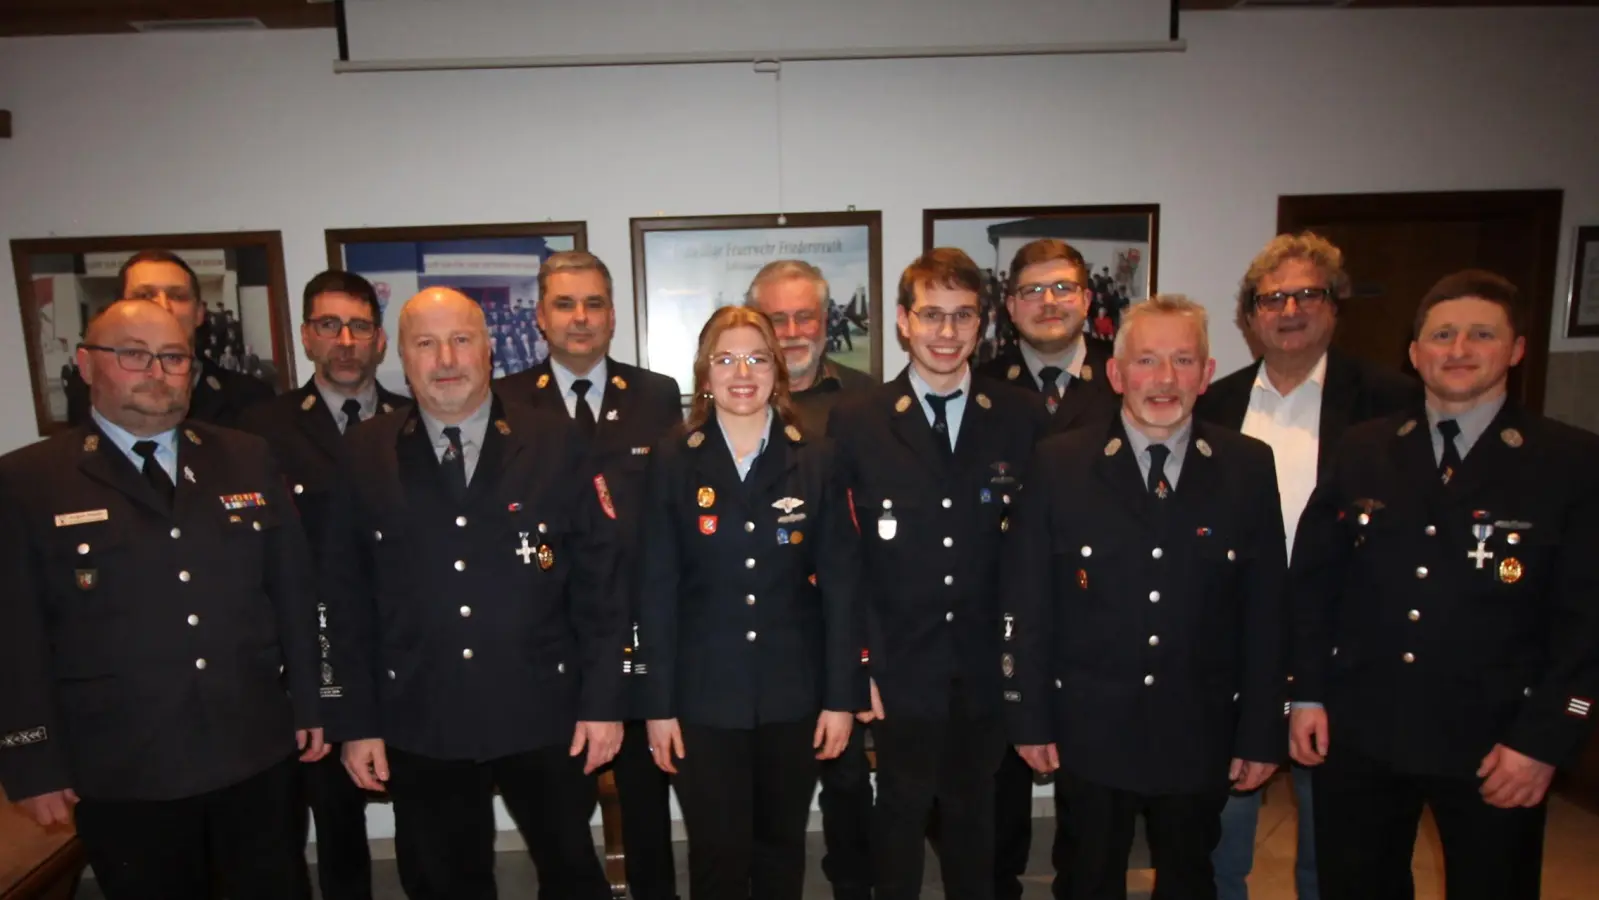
941 421
153 472
584 414
352 414
1449 463
455 463
1050 376
1157 470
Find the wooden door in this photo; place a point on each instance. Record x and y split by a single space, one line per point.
1397 245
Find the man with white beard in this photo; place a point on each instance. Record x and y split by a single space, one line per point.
794 295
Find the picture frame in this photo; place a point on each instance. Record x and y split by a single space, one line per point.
1582 301
63 281
685 267
496 265
1119 242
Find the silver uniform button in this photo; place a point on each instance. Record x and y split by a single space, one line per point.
949 617
391 674
299 489
460 521
467 653
1526 692
1409 657
1156 553
1512 538
377 535
1415 615
949 542
560 668
1149 680
749 599
83 549
183 576
749 526
1087 551
1232 555
466 612
1365 519
199 664
749 563
749 636
460 565
194 619
256 525
177 533
1421 571
1154 596
1431 530
1057 683
949 579
1154 640
948 503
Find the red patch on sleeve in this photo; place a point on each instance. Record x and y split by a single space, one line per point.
604 493
849 496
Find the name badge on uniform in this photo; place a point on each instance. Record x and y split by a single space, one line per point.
82 518
887 525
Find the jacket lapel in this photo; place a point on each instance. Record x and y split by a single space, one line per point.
1492 453
776 462
908 422
316 420
1338 398
976 421
616 407
713 466
103 461
205 401
1117 470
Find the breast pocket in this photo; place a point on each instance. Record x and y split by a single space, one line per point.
77 557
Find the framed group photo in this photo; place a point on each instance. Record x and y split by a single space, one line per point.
495 265
1583 313
1119 243
684 268
63 282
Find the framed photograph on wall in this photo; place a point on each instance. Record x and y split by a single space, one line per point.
1119 244
63 282
495 265
684 268
1583 305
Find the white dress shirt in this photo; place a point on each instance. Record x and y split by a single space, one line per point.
1292 426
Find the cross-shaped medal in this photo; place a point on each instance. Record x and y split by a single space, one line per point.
526 551
1481 554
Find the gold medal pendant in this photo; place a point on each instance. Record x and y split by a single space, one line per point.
1510 570
546 557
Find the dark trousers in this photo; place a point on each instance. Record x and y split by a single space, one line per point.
1013 824
644 792
168 849
1094 833
952 762
746 798
444 819
343 859
846 802
1366 821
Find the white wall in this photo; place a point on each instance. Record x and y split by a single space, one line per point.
152 134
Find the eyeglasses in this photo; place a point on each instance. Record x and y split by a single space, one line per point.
151 292
933 317
1304 298
1036 292
803 319
756 361
332 326
137 359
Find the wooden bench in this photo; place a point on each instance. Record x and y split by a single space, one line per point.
36 863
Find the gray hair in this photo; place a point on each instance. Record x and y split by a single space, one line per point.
785 270
1165 305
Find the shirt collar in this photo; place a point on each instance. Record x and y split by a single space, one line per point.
922 390
596 376
1318 377
1473 422
334 398
1177 443
473 427
826 380
1071 363
166 442
745 464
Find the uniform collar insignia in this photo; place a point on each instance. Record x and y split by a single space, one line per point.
308 403
902 404
620 382
388 408
91 443
984 402
193 438
213 382
1408 427
1086 373
1203 446
1511 437
792 433
502 426
696 439
1013 373
544 381
1114 446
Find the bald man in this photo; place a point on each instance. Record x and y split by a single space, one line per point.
157 632
473 617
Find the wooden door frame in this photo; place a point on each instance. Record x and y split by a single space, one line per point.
1540 207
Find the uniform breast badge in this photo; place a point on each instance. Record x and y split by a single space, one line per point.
707 525
705 497
887 525
1482 554
1510 570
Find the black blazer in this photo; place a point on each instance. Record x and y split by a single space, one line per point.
1354 391
219 397
748 588
305 441
147 653
931 536
479 628
1147 635
1089 398
1424 660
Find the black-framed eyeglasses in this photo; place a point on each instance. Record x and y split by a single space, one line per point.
1065 288
332 326
1304 298
138 359
933 317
